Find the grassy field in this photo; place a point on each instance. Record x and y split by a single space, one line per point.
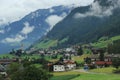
46 44
80 59
23 56
66 73
73 75
97 77
35 56
103 70
64 77
5 55
104 41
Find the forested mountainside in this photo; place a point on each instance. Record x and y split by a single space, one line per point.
85 24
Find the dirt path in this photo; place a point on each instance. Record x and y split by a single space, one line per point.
86 71
82 70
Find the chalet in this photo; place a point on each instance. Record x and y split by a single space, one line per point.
59 66
63 65
103 63
107 59
69 64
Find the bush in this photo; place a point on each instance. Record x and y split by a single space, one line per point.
116 71
28 72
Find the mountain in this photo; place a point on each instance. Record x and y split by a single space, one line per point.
31 27
84 25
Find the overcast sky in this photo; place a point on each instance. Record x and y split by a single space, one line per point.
11 10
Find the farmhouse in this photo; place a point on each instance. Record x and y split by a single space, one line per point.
69 64
64 65
59 66
107 59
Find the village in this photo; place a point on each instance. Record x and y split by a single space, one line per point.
61 60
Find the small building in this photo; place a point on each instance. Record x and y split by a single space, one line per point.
106 62
103 63
69 64
7 61
64 65
59 66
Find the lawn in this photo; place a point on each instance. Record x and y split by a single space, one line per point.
46 44
103 70
6 55
66 73
104 41
64 77
80 59
97 77
73 75
34 56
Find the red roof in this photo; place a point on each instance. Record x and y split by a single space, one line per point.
69 62
103 63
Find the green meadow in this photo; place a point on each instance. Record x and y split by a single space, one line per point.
104 41
72 75
97 77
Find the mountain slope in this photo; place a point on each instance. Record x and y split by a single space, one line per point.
87 24
30 28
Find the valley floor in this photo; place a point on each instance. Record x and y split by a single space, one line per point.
75 75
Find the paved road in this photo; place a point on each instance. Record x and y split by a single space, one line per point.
85 71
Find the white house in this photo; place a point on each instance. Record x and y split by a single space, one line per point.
58 68
69 64
64 66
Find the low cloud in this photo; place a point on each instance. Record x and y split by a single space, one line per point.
13 10
17 38
27 29
2 31
99 11
22 35
3 21
53 19
52 10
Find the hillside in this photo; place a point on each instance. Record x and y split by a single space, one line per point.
85 25
31 27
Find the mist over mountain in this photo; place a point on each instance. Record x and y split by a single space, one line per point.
31 27
86 24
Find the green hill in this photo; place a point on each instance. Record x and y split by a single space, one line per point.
85 25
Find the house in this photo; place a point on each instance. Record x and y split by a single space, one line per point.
2 70
103 63
59 66
97 50
106 62
69 64
94 57
64 65
7 61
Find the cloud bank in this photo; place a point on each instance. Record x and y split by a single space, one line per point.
12 10
27 29
17 38
21 35
98 10
2 31
54 19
